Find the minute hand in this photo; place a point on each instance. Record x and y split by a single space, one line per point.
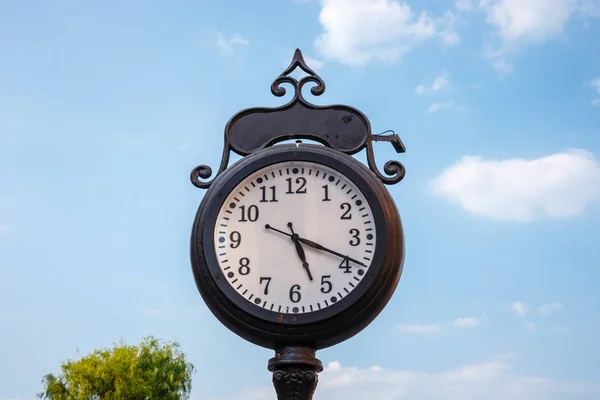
317 246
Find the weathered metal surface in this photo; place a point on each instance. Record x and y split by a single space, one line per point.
295 373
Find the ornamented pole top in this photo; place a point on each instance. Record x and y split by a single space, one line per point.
339 127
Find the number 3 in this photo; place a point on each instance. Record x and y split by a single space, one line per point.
354 233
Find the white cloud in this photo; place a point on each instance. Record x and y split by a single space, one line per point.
422 329
589 8
532 20
557 186
530 327
313 63
519 308
520 22
550 308
446 27
228 46
467 321
493 380
529 20
438 106
595 83
357 32
499 60
466 5
439 82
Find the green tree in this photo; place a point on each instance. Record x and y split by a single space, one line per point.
151 370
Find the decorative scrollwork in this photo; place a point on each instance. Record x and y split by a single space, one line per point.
205 172
339 127
295 383
295 373
392 167
298 62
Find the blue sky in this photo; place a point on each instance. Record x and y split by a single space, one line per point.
106 107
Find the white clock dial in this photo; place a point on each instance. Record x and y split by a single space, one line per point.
262 259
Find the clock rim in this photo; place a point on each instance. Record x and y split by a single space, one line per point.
265 327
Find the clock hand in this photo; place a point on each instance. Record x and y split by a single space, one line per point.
300 251
267 226
317 246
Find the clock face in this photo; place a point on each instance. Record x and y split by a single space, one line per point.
295 237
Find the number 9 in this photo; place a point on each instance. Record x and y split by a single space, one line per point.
236 239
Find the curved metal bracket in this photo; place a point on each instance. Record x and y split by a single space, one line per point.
340 127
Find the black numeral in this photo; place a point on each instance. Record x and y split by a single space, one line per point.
264 194
252 213
299 181
244 268
295 295
354 233
345 265
268 279
326 284
235 239
347 207
326 194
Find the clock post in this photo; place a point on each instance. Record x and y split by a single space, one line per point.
295 372
335 227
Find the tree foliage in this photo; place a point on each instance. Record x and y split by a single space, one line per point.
151 370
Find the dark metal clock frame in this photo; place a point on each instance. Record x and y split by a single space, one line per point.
341 131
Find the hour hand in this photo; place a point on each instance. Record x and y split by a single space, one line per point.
302 256
300 251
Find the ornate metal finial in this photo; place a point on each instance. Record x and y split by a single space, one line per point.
339 127
284 77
